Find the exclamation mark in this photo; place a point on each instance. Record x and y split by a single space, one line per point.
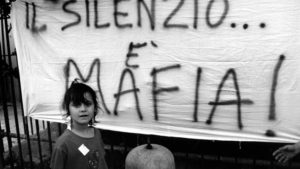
272 109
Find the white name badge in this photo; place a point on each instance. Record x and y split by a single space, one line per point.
83 149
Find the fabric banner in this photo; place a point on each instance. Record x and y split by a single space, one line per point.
201 69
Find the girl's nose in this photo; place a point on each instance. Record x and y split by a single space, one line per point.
82 107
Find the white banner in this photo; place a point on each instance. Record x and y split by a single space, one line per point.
202 69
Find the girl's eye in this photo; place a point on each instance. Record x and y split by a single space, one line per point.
88 103
85 102
76 105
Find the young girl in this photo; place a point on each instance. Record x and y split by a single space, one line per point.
81 146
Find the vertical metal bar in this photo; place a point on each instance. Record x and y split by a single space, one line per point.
137 139
49 136
44 127
236 156
272 164
5 109
1 145
1 131
112 156
219 157
31 126
125 151
59 128
39 143
112 151
254 162
25 124
13 90
186 160
3 40
202 160
7 126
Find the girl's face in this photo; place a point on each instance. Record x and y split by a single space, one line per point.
82 114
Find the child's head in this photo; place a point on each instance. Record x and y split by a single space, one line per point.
77 95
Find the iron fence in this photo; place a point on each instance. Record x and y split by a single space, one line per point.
28 143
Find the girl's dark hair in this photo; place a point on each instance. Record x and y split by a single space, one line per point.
75 94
